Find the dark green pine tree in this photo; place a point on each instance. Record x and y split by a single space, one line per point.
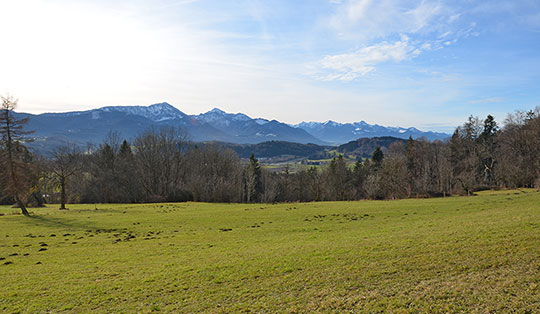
252 180
128 185
490 127
377 158
487 148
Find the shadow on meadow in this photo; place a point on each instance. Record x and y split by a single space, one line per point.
60 222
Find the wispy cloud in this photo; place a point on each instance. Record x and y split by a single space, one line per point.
368 19
421 25
350 66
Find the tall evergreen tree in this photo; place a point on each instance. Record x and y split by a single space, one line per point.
377 158
125 150
252 180
487 150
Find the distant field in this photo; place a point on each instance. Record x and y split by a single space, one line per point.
477 254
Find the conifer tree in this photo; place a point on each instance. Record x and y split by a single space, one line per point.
252 180
377 158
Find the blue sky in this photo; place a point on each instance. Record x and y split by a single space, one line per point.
428 64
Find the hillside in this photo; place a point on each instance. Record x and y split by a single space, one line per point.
448 255
360 148
277 148
364 147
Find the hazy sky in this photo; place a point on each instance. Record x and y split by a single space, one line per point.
428 64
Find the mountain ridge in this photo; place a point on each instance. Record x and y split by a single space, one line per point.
214 125
339 133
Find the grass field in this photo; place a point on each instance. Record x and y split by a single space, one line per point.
477 254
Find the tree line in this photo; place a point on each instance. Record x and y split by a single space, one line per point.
162 165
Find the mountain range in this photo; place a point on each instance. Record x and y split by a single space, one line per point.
215 125
339 133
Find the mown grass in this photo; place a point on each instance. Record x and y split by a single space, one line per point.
477 254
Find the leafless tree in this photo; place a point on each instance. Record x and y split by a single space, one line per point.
14 156
213 174
393 174
159 163
372 187
465 154
66 163
518 151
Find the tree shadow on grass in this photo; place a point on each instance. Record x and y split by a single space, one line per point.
63 223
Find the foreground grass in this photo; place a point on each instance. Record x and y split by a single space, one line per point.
462 254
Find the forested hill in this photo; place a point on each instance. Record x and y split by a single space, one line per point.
361 148
364 147
275 148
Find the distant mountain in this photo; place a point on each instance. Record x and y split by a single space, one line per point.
157 113
364 147
242 129
338 133
92 126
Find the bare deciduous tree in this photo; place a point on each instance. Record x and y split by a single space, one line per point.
159 162
65 164
14 153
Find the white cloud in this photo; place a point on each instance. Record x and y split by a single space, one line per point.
422 15
427 46
423 26
444 35
350 66
453 18
368 19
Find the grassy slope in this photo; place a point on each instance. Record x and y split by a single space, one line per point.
476 254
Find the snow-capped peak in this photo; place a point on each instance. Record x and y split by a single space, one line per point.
157 112
261 121
217 110
219 116
306 124
332 123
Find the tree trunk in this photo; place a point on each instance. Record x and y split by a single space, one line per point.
62 193
21 206
39 200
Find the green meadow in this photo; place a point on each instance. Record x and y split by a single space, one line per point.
478 254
